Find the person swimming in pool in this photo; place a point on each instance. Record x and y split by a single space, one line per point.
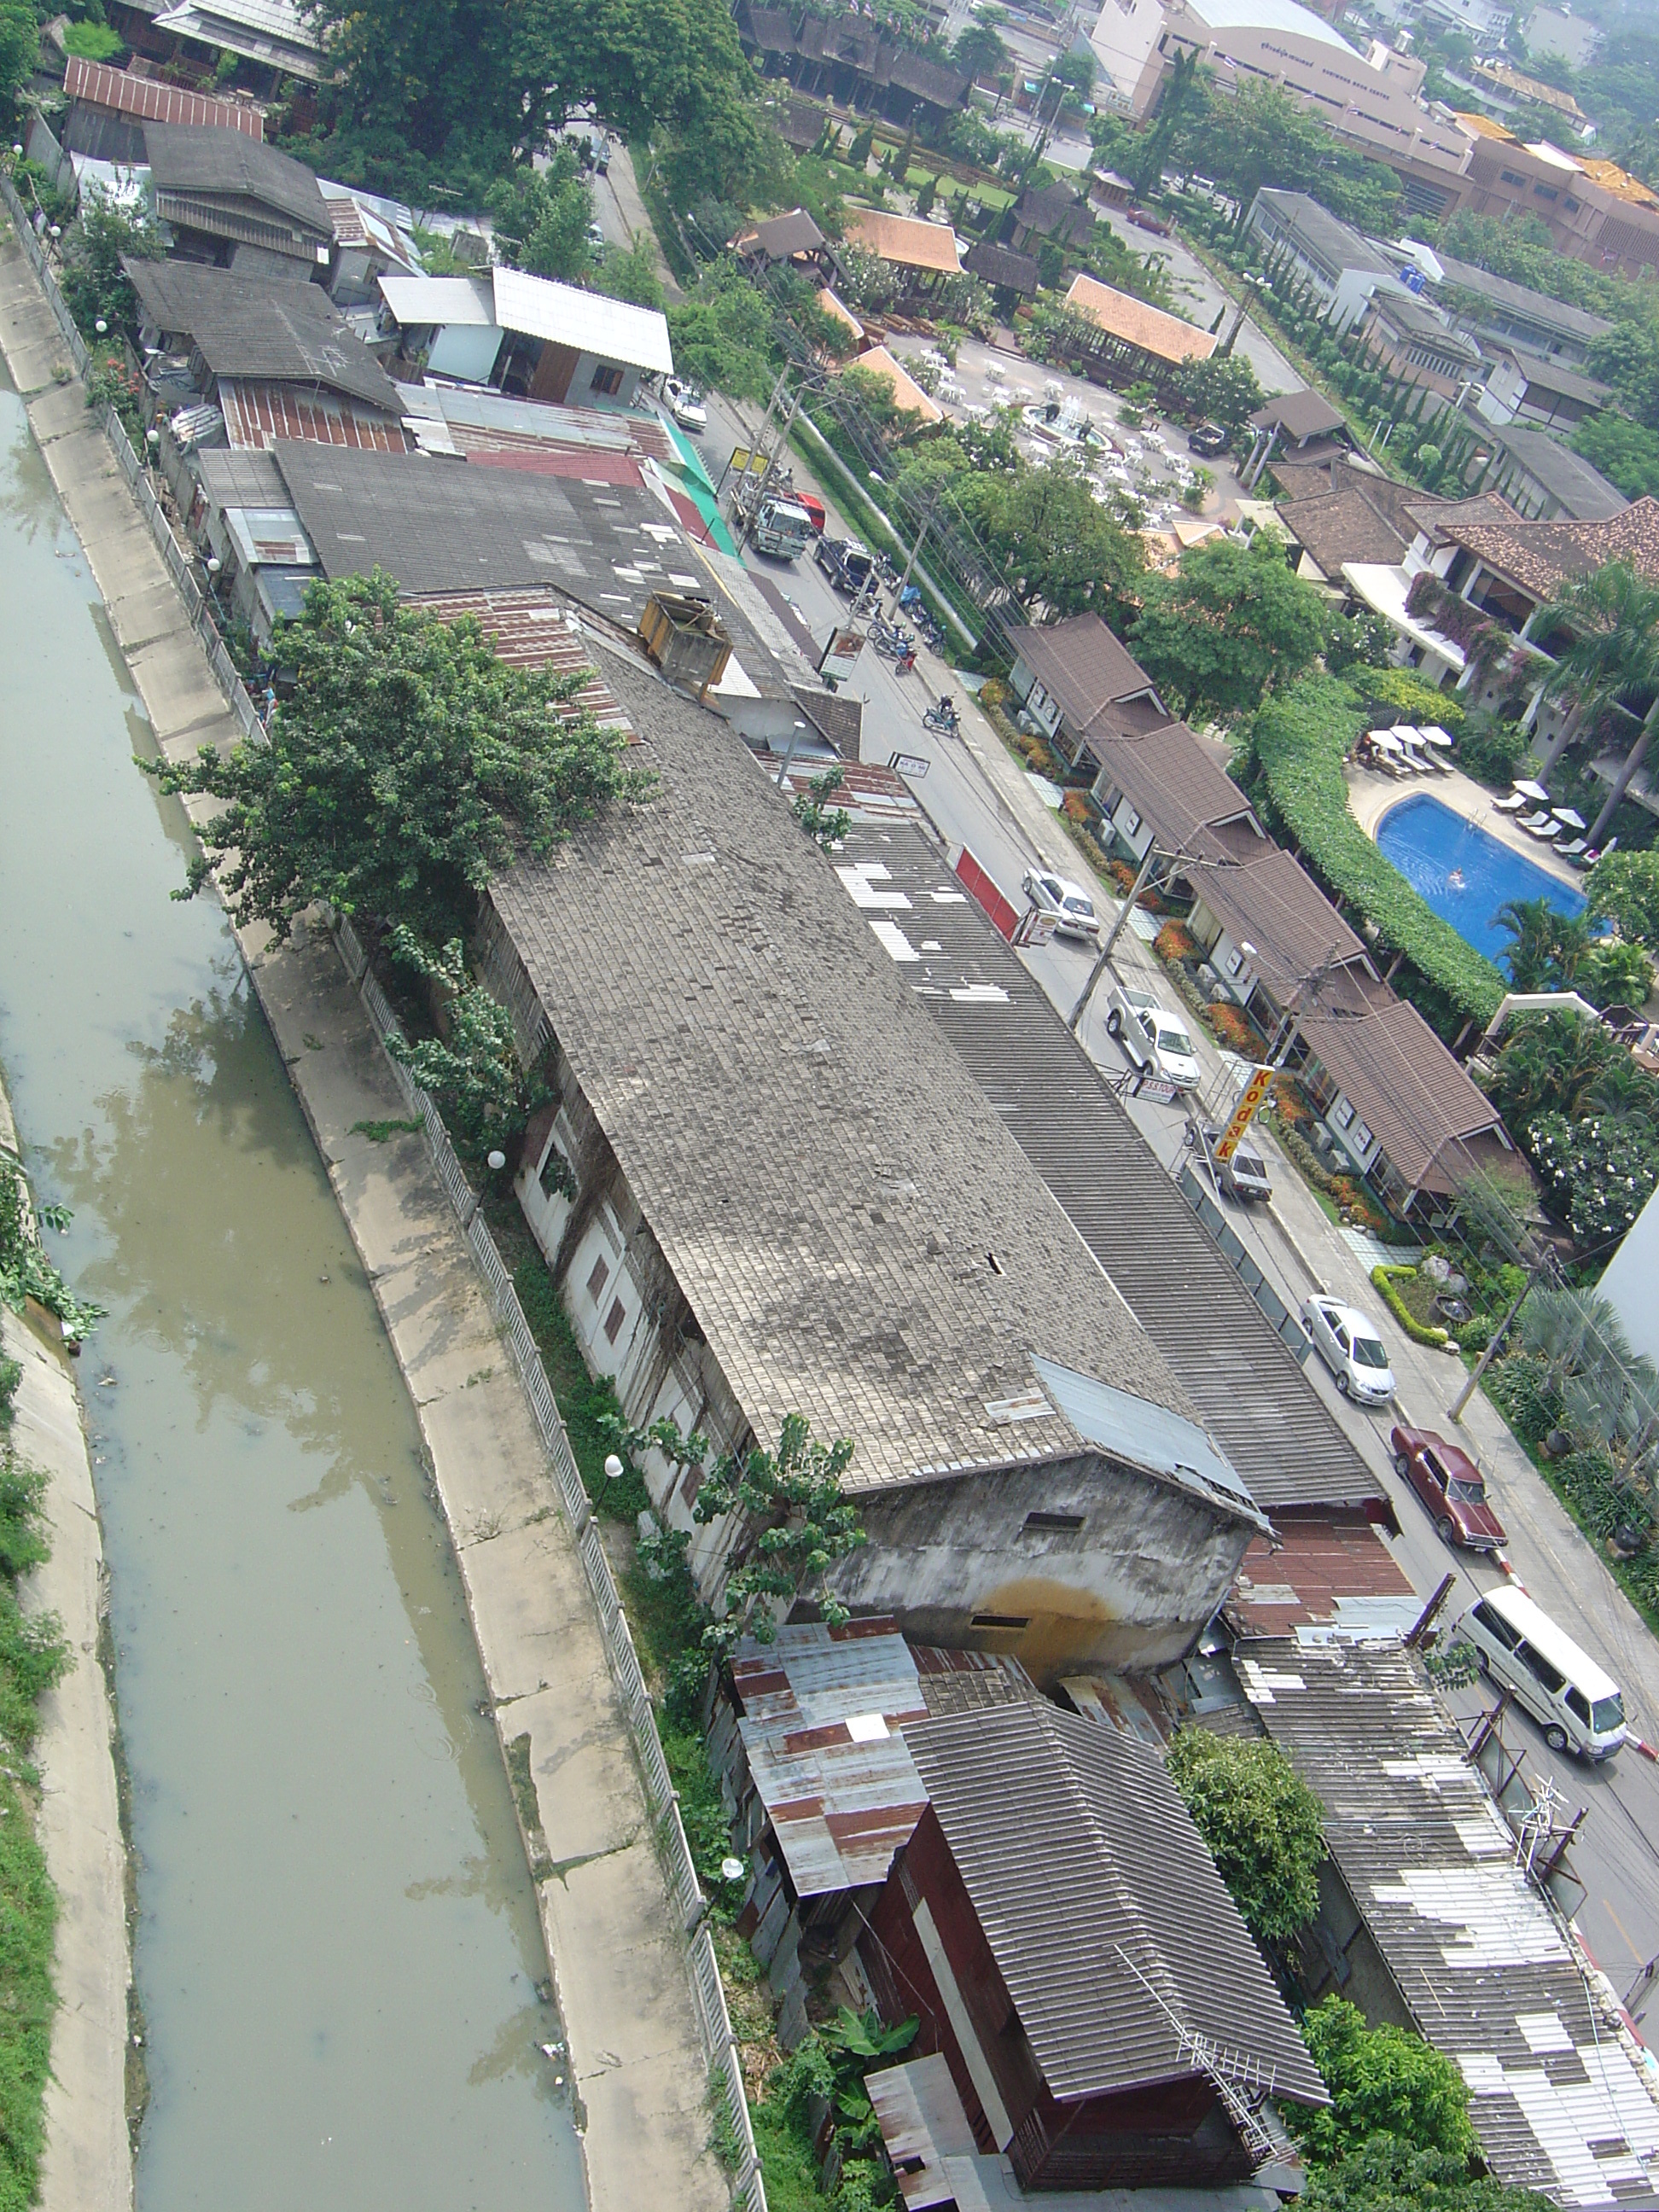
1455 881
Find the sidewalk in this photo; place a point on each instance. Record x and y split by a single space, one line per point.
618 1959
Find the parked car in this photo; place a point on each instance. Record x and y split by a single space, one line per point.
1572 1699
1350 1348
848 564
685 404
1066 904
1144 219
596 237
1451 1485
1244 1177
1153 1038
1209 439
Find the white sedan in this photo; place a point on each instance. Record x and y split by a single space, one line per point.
1153 1038
685 405
1350 1348
1066 904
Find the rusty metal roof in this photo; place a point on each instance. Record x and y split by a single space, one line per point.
1326 1575
820 1713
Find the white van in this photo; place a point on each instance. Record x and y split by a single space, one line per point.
1570 1697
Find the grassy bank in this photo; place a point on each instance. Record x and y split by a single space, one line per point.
33 1656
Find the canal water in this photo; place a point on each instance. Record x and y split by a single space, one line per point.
338 1949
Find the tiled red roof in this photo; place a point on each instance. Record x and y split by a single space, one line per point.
152 101
257 415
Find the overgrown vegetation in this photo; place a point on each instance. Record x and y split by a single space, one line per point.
1588 1117
1263 1827
34 1657
25 1269
411 763
1383 2082
1297 744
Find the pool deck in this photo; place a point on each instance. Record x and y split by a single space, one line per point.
1371 796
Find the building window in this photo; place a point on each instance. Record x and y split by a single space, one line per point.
599 1278
1510 178
1002 1620
608 379
1341 1114
614 1320
1360 1137
1546 191
1057 1524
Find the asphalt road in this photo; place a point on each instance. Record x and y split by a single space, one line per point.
1299 1249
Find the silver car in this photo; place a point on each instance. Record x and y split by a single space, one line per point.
1153 1038
1066 904
1350 1348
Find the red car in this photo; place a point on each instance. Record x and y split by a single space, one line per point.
1144 219
1451 1485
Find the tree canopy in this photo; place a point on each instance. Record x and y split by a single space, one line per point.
411 763
1224 387
1386 2175
542 218
1230 624
1382 2081
19 45
1050 534
1263 1825
452 92
1624 887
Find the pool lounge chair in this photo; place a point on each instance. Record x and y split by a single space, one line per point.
1542 819
1512 805
1572 852
1546 832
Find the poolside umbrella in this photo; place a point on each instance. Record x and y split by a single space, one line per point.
1433 734
1386 740
1535 791
1407 732
1572 817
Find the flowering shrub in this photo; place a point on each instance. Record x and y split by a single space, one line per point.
1597 1174
1174 941
1232 1028
1075 807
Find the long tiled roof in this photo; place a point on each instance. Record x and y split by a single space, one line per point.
1543 556
859 1237
1138 323
275 332
1557 2096
229 165
1567 477
906 240
1416 1100
1276 904
1177 786
1262 1409
1082 665
1344 524
1102 1907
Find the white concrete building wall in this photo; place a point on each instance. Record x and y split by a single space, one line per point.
1631 1281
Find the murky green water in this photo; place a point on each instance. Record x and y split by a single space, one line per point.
338 1949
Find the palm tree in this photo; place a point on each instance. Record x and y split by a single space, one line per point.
1613 616
1532 958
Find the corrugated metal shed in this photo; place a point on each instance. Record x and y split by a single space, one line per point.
1258 1405
819 1713
1558 2095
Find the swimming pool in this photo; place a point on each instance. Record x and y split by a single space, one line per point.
1465 874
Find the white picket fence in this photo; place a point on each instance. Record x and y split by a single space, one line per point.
708 1994
714 2021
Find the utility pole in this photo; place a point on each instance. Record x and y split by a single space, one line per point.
746 507
752 507
915 553
1495 1342
1075 1022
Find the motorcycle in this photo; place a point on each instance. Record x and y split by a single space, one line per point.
891 641
944 718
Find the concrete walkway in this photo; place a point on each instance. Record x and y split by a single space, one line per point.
88 2167
618 1959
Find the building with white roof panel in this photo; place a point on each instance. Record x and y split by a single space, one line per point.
528 335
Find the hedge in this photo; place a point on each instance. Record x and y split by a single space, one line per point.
1382 1279
1301 737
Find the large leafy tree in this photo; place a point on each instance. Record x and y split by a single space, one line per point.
1051 535
1624 887
95 286
1223 388
1263 1825
1596 1174
1382 2081
979 49
1567 1063
542 215
1228 627
19 45
411 763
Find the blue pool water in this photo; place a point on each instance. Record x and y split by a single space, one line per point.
1433 849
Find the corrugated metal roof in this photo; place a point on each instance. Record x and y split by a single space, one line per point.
152 101
820 1712
228 163
1558 2098
257 415
1327 1574
1094 1891
417 300
1252 1395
